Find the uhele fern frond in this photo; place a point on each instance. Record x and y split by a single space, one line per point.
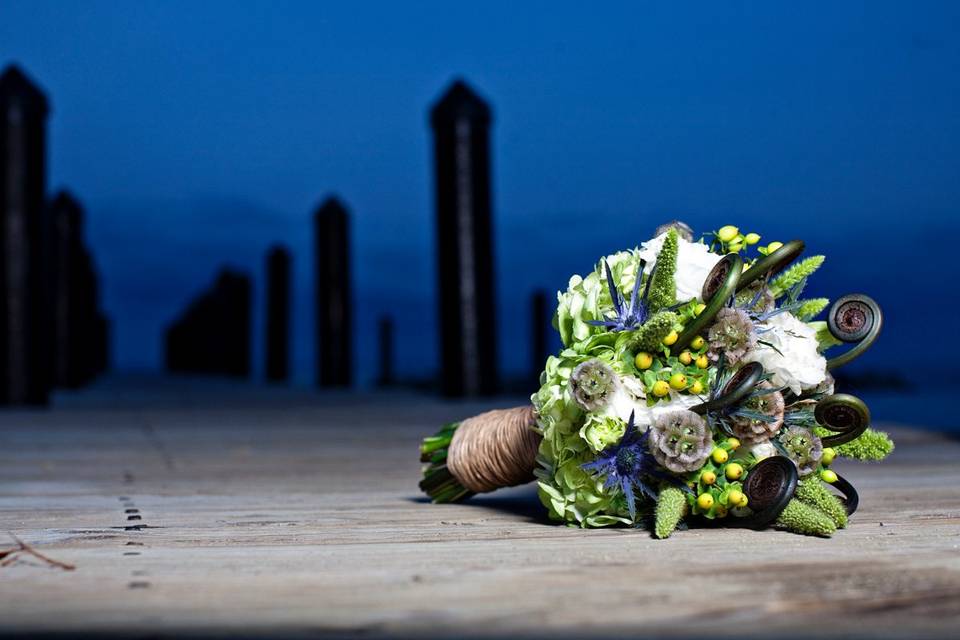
795 274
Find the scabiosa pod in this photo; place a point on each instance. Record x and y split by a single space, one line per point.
803 447
681 441
759 417
593 385
732 335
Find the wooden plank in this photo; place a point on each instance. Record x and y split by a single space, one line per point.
285 513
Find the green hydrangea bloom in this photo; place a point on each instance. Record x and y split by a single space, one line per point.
599 431
587 298
567 491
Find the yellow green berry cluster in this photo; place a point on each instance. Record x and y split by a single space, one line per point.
729 239
687 372
718 485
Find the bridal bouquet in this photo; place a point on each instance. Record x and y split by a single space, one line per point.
694 386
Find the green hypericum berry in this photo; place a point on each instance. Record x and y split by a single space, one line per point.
727 233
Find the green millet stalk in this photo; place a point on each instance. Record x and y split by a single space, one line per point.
804 519
663 289
792 276
671 507
649 337
812 492
810 309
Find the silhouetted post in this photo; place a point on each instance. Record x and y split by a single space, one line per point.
539 320
67 273
85 318
79 331
213 334
24 323
461 124
102 344
332 246
385 340
278 314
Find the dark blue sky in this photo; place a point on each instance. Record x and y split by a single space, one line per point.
198 133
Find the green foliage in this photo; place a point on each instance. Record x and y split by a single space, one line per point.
811 491
801 518
438 482
663 289
871 446
671 506
810 309
649 337
795 274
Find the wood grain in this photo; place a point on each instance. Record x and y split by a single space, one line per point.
283 513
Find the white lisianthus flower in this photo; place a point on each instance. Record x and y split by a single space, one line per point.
624 403
694 262
795 362
763 451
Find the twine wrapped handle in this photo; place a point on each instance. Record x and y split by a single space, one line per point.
490 451
495 449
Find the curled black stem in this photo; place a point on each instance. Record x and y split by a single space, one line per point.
854 318
845 415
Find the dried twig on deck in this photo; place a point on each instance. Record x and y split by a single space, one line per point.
8 556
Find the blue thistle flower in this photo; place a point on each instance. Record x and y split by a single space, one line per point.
627 317
627 465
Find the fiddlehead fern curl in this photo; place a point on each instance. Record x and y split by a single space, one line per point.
736 389
846 416
720 285
769 487
854 318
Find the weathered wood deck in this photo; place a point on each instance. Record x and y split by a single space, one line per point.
286 513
